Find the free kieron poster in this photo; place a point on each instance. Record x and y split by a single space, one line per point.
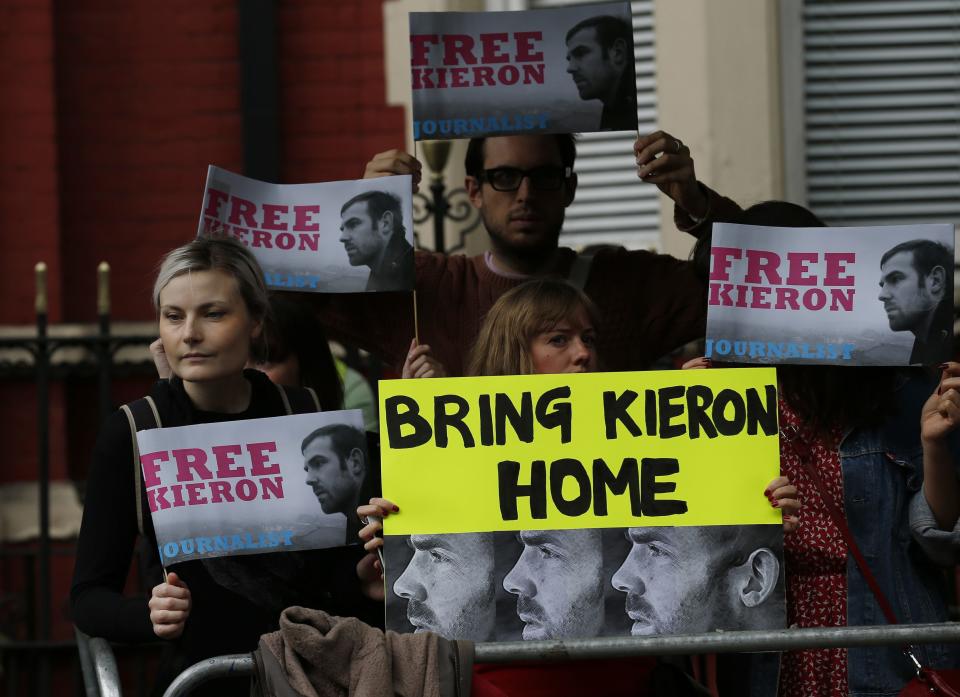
839 296
325 237
562 70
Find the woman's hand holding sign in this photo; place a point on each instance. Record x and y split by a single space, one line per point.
941 413
370 569
939 418
780 492
170 607
420 363
783 495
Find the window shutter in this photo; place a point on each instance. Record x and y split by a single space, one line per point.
882 110
612 206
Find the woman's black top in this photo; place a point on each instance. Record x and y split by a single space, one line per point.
221 621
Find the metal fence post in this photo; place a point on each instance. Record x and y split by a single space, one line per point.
43 474
103 346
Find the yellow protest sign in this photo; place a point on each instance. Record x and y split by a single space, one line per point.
598 450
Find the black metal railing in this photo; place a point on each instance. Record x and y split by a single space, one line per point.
30 654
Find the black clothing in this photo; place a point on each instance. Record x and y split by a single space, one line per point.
937 347
369 487
622 114
395 272
221 621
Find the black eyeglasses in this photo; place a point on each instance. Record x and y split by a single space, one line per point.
549 178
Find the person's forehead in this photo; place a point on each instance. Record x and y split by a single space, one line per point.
321 445
200 287
524 152
901 261
585 37
358 209
577 321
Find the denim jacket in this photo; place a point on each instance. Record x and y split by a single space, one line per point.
893 526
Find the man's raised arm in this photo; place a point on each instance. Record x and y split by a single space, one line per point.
665 161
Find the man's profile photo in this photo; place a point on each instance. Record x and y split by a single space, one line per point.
373 235
558 581
448 585
600 60
916 289
687 580
335 462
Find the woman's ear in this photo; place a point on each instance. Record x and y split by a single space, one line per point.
257 329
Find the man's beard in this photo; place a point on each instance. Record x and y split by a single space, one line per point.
528 254
421 616
577 622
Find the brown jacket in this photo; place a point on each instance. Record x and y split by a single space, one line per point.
316 655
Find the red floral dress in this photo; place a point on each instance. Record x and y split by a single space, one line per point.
816 564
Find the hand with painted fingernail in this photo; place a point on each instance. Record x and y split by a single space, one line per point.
697 364
370 568
783 495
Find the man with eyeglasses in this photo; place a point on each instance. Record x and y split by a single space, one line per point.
521 186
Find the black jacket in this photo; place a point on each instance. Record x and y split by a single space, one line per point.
395 272
221 621
937 346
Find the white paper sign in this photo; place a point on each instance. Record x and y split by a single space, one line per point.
840 296
261 485
330 237
562 70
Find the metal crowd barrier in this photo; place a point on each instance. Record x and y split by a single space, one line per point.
618 647
99 666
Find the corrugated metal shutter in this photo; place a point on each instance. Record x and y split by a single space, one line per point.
613 206
882 110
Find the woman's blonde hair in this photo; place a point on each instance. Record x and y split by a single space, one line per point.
503 345
220 254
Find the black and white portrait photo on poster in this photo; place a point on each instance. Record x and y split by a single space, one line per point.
338 469
373 235
566 584
279 484
328 237
840 296
688 580
558 70
443 584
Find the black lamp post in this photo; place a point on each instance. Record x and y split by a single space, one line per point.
441 205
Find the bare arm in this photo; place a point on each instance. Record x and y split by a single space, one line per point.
939 418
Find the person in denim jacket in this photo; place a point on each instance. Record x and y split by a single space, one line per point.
861 429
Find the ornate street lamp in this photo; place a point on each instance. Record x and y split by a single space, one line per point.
454 206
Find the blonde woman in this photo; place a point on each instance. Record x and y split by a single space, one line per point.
212 305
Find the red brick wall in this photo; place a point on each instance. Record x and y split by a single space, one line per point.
29 200
148 95
110 113
332 89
